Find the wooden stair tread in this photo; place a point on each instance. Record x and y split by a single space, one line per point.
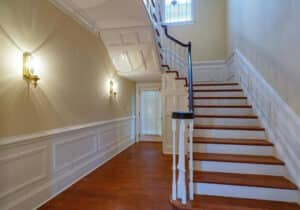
173 71
229 127
218 90
251 180
180 78
254 159
216 84
224 106
220 97
227 116
205 202
250 142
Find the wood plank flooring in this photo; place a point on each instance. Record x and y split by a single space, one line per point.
139 179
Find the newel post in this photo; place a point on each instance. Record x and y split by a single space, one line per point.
174 188
179 186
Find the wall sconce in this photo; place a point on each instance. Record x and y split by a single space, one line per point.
112 89
28 68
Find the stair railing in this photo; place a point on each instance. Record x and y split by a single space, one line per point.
176 55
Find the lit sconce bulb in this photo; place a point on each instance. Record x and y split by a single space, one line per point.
112 89
28 68
30 64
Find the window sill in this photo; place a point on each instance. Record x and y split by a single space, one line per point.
182 23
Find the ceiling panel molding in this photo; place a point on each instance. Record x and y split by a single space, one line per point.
133 48
131 45
76 14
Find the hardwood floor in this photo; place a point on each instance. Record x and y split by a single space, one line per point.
139 179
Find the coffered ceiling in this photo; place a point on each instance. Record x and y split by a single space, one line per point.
125 30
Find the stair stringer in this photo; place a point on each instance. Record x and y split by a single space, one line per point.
281 122
174 98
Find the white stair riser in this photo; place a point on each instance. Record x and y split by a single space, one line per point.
246 192
229 134
234 149
227 111
220 102
217 87
240 168
218 94
226 121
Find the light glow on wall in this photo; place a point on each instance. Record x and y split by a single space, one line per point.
112 87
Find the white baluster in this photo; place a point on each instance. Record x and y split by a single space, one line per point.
174 189
181 164
191 185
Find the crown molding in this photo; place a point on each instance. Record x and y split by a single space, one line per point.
76 14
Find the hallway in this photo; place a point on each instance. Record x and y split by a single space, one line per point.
139 179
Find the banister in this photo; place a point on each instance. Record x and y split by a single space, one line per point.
190 78
173 38
178 185
190 65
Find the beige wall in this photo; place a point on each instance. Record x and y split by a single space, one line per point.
73 65
268 33
207 33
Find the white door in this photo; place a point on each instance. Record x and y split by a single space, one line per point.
151 112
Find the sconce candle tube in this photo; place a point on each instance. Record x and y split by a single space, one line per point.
28 68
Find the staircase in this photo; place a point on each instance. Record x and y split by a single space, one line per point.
230 160
232 156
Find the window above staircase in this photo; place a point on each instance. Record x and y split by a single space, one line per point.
178 11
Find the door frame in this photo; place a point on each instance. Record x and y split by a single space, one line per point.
139 88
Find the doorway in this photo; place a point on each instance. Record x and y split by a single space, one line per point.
150 115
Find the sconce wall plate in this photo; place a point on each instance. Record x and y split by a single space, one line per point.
28 69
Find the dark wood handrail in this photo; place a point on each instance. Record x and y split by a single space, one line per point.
189 57
173 38
190 65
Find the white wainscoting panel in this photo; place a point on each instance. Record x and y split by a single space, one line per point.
281 122
35 168
174 98
211 71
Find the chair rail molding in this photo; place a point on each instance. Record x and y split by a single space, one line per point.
281 122
35 168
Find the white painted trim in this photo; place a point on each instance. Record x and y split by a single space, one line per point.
211 71
79 178
209 63
236 191
57 159
240 168
174 98
179 23
130 28
281 122
139 88
76 14
5 141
